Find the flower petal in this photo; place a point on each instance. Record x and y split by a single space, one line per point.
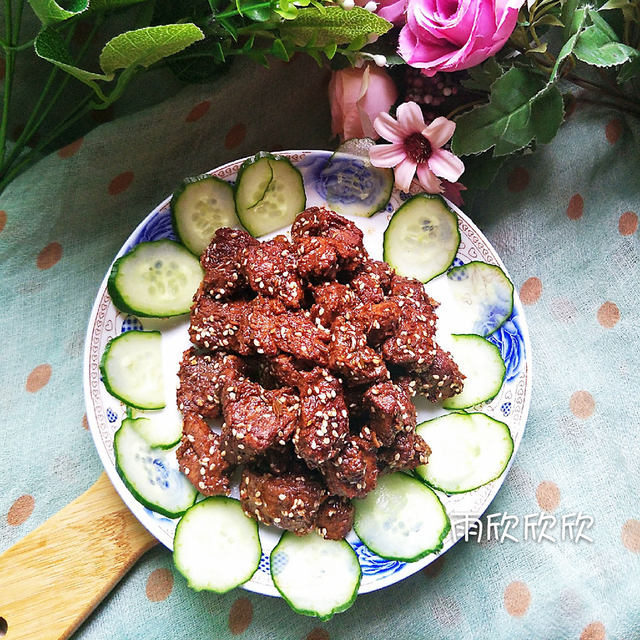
428 179
439 132
388 128
404 173
387 155
446 165
410 117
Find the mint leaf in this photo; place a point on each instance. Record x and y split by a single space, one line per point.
522 108
143 47
333 25
598 44
483 76
50 12
51 46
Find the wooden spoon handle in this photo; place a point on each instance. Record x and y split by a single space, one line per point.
52 579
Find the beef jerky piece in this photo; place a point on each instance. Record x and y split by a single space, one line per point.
301 338
354 472
413 290
351 357
379 270
335 518
390 411
200 457
255 419
442 380
367 288
412 344
344 235
324 421
215 325
378 321
332 299
259 326
270 268
221 262
317 258
407 452
289 501
201 377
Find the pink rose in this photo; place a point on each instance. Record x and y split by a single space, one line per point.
390 10
449 35
357 96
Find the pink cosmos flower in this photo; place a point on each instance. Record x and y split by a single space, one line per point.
416 147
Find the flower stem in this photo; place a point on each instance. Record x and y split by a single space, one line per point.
464 107
620 101
8 78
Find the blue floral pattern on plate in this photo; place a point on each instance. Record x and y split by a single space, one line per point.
508 338
374 565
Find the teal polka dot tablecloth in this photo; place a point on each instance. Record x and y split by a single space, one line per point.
565 222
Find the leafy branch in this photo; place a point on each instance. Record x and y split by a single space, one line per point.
195 38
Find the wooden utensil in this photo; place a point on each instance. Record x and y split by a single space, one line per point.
52 579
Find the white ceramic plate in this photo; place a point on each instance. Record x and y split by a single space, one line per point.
511 405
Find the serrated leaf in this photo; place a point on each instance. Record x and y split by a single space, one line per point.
334 24
357 43
567 48
143 47
50 12
569 8
481 170
50 46
599 46
482 76
522 108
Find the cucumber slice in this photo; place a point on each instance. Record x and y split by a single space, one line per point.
152 475
216 547
161 429
269 194
353 186
481 362
399 520
477 298
316 577
468 450
199 206
422 238
131 369
156 279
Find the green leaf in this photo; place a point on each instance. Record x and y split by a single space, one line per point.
50 11
550 20
599 46
480 171
257 14
143 47
107 5
50 46
334 24
569 9
483 76
522 108
279 50
616 4
629 70
330 50
567 48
